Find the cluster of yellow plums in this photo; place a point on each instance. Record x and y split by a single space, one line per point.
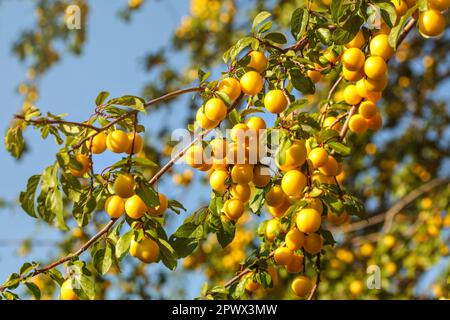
323 168
371 77
124 200
116 141
234 177
235 180
370 73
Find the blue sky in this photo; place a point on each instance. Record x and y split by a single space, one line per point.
112 61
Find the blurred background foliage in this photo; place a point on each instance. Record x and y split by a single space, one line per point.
410 151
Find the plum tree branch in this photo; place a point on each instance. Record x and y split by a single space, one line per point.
153 180
111 223
316 284
174 159
410 197
155 101
243 272
69 257
300 44
344 129
44 121
330 93
389 215
342 134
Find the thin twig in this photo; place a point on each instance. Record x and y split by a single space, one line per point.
390 214
44 121
330 93
410 197
316 285
158 100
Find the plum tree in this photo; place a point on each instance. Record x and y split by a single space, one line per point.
324 96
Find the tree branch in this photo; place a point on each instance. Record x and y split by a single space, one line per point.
155 101
390 214
344 129
111 223
172 161
410 197
56 263
330 93
242 273
316 285
44 121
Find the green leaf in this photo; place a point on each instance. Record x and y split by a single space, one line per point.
84 286
394 36
226 233
388 13
14 142
337 10
123 244
12 282
354 206
276 37
241 45
27 198
10 295
327 135
263 277
114 234
295 105
266 26
422 5
348 31
328 237
299 22
324 35
34 290
189 230
103 258
129 101
216 205
301 82
315 192
102 96
239 289
31 113
167 254
257 202
203 76
234 117
83 208
227 55
334 203
248 111
56 275
176 206
27 267
260 17
57 207
135 162
224 97
148 195
189 234
340 148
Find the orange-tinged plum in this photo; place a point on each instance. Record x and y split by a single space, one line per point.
308 220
